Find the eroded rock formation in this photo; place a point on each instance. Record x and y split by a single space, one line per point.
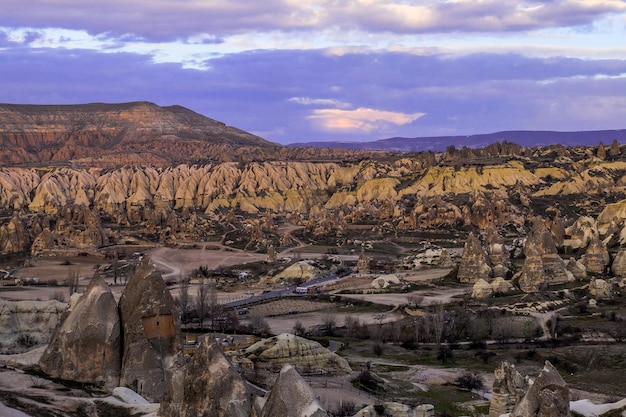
548 396
151 333
86 346
596 259
474 262
302 353
543 265
27 324
509 386
291 396
208 385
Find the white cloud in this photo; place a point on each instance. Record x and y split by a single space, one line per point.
308 101
363 120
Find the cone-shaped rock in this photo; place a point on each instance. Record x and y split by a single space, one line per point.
151 332
543 266
498 254
508 388
473 265
207 386
86 346
596 258
619 263
291 396
548 396
578 269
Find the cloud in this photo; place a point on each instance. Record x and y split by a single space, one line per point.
166 20
360 120
308 101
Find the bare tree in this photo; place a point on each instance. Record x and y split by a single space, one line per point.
72 280
437 317
352 325
213 304
202 295
329 322
298 329
184 295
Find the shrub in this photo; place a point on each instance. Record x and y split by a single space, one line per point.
470 381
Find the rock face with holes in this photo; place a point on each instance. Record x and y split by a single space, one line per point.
474 262
85 347
291 396
208 385
548 396
151 333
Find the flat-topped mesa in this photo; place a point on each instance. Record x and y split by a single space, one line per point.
43 133
543 265
86 346
474 263
208 385
151 332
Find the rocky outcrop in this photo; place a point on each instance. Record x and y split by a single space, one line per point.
14 236
474 263
301 353
578 269
508 388
27 324
580 233
482 289
618 267
502 286
301 271
543 266
151 333
596 258
291 396
499 256
600 288
86 346
384 281
208 385
548 396
393 409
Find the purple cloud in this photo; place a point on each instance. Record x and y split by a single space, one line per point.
157 20
296 96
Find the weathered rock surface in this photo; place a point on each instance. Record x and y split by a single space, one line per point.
393 409
291 396
207 386
578 269
600 288
543 266
498 254
502 286
151 333
548 396
580 233
596 258
508 388
301 271
301 353
474 262
482 289
86 346
618 267
385 281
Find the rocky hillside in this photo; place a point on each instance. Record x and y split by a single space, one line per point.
104 133
244 203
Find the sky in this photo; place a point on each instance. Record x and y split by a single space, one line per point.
320 70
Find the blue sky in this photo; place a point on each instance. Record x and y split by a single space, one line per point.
352 70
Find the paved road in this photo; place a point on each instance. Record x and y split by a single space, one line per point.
280 293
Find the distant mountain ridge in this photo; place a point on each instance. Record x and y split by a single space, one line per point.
525 138
124 133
